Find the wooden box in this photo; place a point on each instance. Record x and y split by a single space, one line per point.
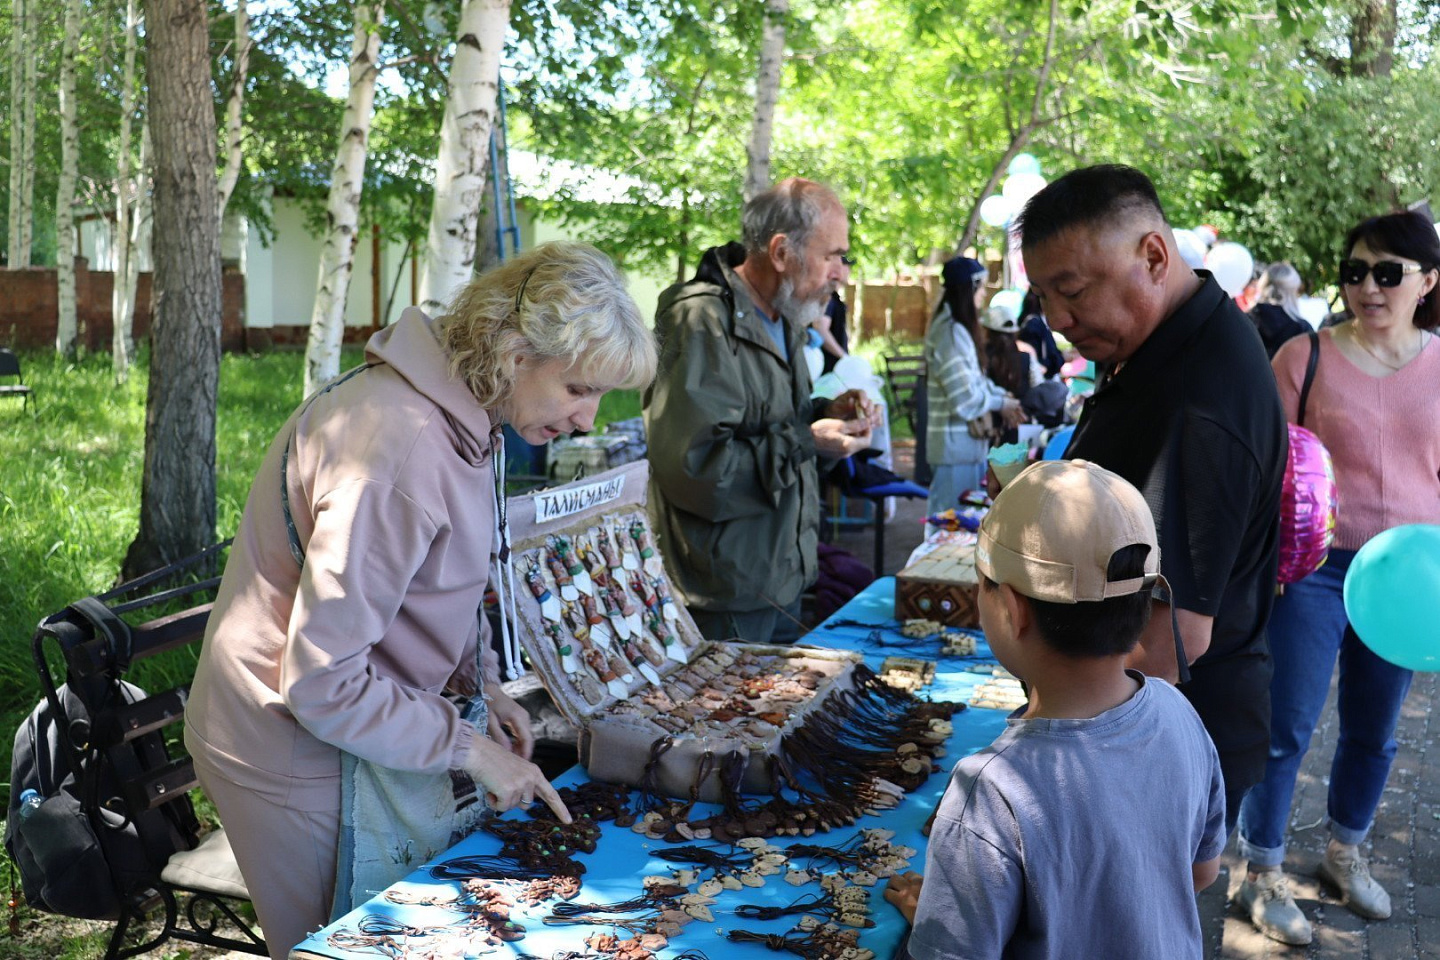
940 586
624 721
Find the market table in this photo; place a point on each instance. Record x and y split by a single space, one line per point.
614 871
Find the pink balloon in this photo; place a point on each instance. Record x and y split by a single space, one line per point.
1308 504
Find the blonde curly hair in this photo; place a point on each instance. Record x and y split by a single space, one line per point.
561 300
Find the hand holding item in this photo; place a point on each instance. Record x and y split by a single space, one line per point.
509 723
854 405
837 439
1011 412
510 781
1004 464
903 890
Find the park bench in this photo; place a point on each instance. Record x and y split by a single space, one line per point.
198 887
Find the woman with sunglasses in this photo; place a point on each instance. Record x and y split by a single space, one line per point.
318 720
1375 403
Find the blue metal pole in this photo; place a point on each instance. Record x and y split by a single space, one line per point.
514 228
495 196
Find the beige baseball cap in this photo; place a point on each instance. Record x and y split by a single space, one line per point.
1053 529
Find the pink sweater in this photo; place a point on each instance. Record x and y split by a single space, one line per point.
1383 434
393 497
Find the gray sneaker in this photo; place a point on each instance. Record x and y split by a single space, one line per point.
1349 874
1272 909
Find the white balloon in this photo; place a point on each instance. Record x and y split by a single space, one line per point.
1231 265
996 210
1020 187
1313 310
1207 234
1191 247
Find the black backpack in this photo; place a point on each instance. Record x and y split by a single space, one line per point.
88 846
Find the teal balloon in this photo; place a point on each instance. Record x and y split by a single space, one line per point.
1392 596
1059 440
1023 163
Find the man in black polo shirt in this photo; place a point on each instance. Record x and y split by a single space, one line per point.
1185 408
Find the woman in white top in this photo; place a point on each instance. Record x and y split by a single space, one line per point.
957 389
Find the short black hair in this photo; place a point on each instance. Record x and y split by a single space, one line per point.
1087 197
1408 234
1096 628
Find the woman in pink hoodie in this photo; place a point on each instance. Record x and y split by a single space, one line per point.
349 602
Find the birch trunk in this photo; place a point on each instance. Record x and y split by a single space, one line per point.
17 129
177 491
234 107
22 135
66 329
464 155
767 92
120 294
342 209
127 263
27 121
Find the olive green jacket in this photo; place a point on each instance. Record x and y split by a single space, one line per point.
733 492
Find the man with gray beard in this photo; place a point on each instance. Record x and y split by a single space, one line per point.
732 431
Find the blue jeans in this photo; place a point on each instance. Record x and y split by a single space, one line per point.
1308 631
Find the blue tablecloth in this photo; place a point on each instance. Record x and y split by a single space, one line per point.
614 871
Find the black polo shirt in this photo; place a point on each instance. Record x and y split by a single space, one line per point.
1194 421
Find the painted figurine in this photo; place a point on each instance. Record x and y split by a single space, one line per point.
549 605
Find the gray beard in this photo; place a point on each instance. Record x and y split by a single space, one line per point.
803 312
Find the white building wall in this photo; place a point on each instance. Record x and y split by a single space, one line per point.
280 280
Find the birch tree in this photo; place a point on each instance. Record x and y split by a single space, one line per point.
122 294
27 119
460 166
234 108
342 208
17 129
130 234
66 328
177 491
22 134
767 92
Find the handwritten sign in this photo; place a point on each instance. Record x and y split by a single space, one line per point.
554 504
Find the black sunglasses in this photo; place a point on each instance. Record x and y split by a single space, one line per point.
1388 273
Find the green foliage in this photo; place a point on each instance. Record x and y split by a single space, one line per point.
1289 161
652 101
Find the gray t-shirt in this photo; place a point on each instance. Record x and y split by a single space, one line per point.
1075 838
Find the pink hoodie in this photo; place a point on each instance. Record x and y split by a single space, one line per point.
393 497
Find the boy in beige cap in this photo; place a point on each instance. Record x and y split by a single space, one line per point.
1088 826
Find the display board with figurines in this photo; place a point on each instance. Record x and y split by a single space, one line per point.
620 655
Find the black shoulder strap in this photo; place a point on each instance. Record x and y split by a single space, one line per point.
1309 376
296 550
